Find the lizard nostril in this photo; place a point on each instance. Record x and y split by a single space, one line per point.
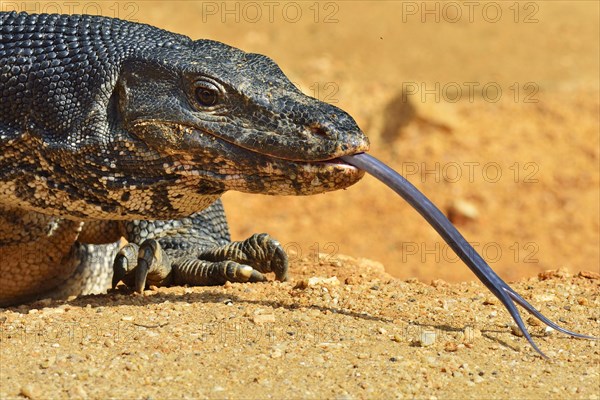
318 130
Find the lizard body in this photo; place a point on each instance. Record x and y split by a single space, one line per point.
113 129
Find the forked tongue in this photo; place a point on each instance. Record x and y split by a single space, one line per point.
457 242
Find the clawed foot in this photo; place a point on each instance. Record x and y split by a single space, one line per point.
245 261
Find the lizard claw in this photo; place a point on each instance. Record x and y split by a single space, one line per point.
260 251
125 261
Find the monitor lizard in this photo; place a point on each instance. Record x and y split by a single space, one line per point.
113 129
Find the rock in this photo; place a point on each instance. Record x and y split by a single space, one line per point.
260 319
462 211
31 391
317 281
427 338
589 275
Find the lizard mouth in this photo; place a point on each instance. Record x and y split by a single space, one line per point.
264 173
209 160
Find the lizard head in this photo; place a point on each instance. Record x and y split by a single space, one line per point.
222 119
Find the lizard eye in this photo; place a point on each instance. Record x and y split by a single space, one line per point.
207 94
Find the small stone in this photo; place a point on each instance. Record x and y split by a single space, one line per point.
78 392
276 353
303 284
552 274
544 298
589 275
263 318
315 280
427 338
329 345
438 283
450 347
351 281
126 318
344 396
582 301
461 211
47 363
50 311
31 391
516 330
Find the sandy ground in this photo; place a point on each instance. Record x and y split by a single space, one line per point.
517 169
342 328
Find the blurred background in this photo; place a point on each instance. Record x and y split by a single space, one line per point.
490 108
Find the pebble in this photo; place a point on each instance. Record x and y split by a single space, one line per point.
461 211
49 310
450 347
276 353
47 363
344 396
438 283
516 330
31 391
544 298
263 318
78 392
427 338
315 280
351 280
589 275
582 301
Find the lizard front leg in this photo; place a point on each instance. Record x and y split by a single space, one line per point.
195 251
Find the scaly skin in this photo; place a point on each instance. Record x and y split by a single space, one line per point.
112 129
